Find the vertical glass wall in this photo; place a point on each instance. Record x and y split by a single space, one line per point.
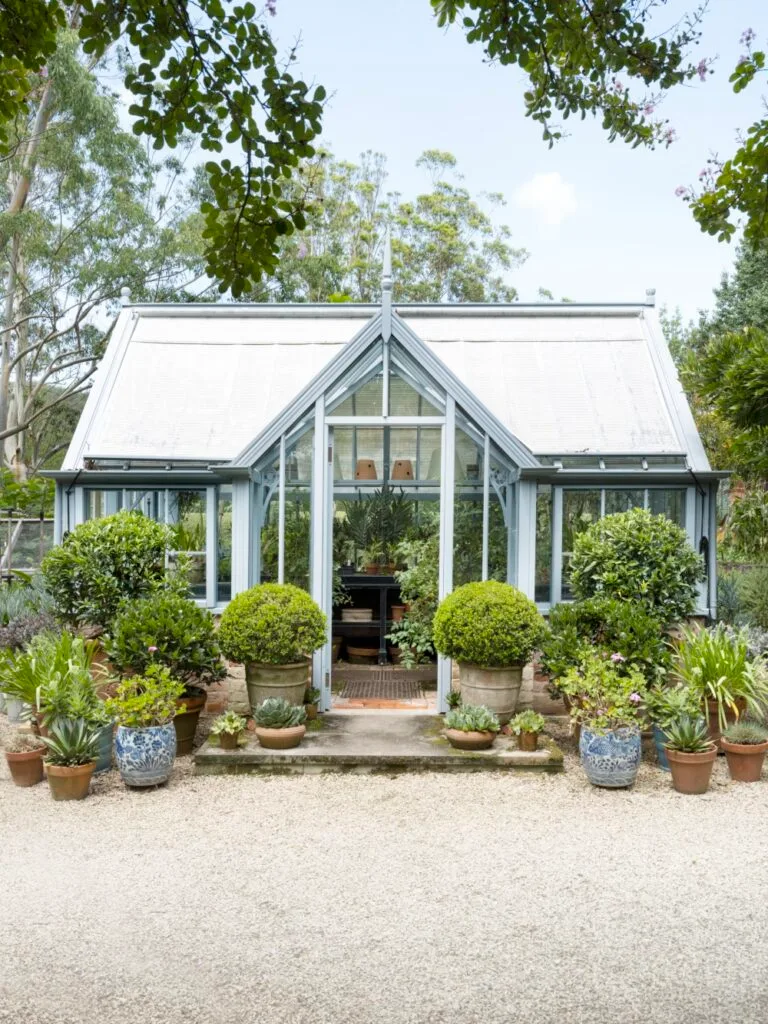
285 547
224 545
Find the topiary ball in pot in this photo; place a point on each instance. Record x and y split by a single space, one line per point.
273 629
491 629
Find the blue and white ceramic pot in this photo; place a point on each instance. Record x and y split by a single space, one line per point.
610 759
660 739
145 756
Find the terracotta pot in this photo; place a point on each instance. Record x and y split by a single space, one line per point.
713 723
229 740
495 688
691 772
745 760
38 724
69 783
280 739
402 469
372 569
185 722
288 681
365 470
528 741
470 740
311 710
398 611
26 767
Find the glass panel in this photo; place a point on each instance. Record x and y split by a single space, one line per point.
668 502
224 534
151 503
622 500
367 400
405 400
298 512
497 528
580 510
100 503
468 511
187 520
543 542
358 453
414 453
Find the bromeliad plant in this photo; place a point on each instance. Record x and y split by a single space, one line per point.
602 695
527 721
472 718
278 713
144 701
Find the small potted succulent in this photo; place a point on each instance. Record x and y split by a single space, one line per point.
229 728
72 749
471 727
691 754
311 701
527 726
24 754
279 724
745 744
145 743
665 704
491 630
272 629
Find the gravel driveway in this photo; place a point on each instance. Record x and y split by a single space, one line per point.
441 899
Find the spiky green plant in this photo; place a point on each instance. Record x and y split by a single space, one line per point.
71 742
527 721
746 731
278 713
230 722
688 735
454 699
472 718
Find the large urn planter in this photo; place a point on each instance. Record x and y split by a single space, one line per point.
470 740
286 681
145 756
745 760
185 723
69 783
610 759
26 766
691 772
280 739
494 688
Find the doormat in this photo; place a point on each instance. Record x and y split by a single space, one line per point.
381 685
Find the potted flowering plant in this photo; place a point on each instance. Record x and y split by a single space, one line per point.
608 703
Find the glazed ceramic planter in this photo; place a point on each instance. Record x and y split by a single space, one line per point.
745 760
26 767
280 739
528 741
69 783
145 756
463 740
494 688
691 772
185 722
610 759
660 742
229 740
104 756
287 681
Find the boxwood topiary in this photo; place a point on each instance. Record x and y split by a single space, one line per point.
271 624
638 556
489 624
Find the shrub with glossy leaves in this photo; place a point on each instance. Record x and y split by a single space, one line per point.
489 624
103 562
640 557
271 624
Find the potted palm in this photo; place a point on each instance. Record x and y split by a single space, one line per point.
24 754
665 704
491 630
229 728
608 705
527 726
279 724
272 629
471 728
691 754
145 742
745 744
72 748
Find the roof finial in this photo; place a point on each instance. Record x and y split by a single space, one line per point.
125 295
650 296
386 287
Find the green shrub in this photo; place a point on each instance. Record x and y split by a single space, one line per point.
278 713
166 629
103 562
489 624
144 701
272 624
637 556
753 590
472 718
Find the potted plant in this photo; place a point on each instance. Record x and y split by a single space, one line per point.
491 629
145 743
453 699
691 754
70 760
229 728
608 705
24 754
272 629
527 726
745 744
471 728
665 704
311 701
279 724
168 629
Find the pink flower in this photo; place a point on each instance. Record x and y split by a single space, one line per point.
635 698
151 649
616 658
648 109
681 191
701 70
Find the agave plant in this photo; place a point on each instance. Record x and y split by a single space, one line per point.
472 718
688 735
71 742
278 713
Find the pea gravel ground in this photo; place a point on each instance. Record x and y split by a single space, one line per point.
430 899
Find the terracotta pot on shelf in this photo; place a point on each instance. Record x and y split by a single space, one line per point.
26 766
185 722
402 469
745 760
373 568
365 470
462 740
229 740
691 772
528 741
397 612
70 783
280 739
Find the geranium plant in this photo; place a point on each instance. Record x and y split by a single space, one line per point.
144 701
602 695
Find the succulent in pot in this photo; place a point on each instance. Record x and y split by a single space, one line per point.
527 726
666 704
24 755
491 629
279 724
229 728
745 744
691 754
72 747
311 700
272 629
145 742
471 727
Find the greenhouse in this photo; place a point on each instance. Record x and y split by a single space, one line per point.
380 455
